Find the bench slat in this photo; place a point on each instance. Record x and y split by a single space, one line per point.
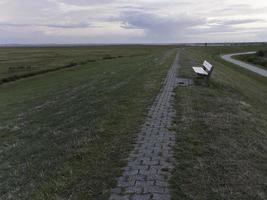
200 70
207 65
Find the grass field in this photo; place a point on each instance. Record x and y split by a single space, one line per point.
221 149
66 134
31 61
256 59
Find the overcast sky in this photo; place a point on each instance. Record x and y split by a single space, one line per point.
132 21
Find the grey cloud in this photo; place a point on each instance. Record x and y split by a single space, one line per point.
141 20
240 9
236 21
214 29
241 21
13 25
78 25
63 25
86 2
226 31
223 27
158 25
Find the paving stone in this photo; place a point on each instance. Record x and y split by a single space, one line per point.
144 183
141 197
161 197
133 190
140 167
154 190
161 183
126 183
138 177
119 197
130 172
154 177
150 163
148 172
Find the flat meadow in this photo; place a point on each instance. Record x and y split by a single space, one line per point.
70 116
66 133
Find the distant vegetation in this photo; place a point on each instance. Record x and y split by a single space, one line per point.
259 58
261 53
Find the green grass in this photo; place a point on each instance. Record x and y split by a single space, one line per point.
221 149
66 134
31 61
255 59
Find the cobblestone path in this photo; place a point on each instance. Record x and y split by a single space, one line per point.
150 163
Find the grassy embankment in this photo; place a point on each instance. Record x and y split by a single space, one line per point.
66 134
221 149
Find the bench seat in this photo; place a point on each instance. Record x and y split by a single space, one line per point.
204 71
200 70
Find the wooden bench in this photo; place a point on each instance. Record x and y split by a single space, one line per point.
204 71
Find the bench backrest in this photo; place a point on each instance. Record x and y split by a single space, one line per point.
207 66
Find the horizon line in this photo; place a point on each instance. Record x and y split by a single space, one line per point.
105 44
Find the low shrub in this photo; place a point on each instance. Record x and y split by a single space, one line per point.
260 53
107 57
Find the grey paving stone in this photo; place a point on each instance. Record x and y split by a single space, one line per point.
161 197
119 197
130 172
141 197
140 167
150 162
161 183
126 183
133 190
155 177
155 190
138 177
148 172
144 183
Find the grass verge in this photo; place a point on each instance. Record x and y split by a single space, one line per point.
221 149
255 59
